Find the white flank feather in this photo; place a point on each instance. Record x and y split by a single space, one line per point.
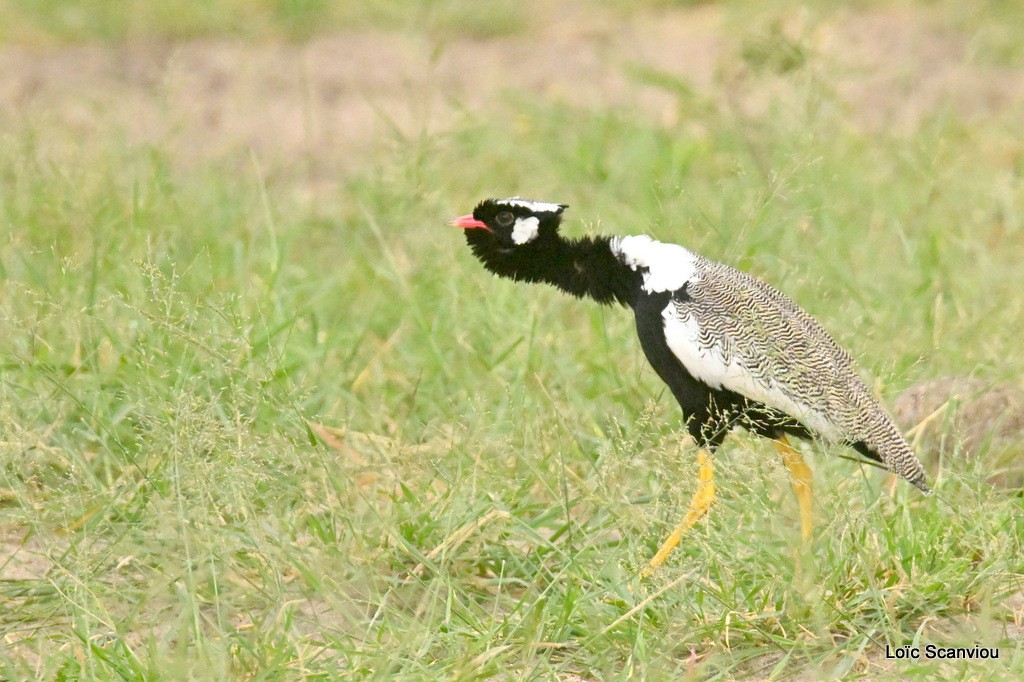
708 363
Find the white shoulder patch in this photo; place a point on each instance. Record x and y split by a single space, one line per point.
666 267
708 363
534 206
525 229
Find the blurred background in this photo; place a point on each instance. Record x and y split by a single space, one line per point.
262 414
315 88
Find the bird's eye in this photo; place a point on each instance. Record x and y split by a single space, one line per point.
504 219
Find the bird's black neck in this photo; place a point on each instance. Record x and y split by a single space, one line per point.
584 267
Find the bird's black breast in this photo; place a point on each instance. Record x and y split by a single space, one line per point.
695 397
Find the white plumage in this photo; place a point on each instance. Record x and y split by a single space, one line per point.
533 206
525 230
665 267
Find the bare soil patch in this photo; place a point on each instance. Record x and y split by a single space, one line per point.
325 102
21 558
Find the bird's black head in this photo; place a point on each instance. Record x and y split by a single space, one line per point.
507 234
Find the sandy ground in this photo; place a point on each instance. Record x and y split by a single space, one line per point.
325 102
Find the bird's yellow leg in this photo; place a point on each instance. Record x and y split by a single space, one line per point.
699 506
801 478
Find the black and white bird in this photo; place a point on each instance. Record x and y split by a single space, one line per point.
733 350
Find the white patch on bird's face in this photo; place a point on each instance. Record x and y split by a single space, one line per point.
665 267
708 362
525 230
532 206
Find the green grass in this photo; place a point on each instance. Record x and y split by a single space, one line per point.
502 461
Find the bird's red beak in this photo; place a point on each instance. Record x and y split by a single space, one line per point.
468 222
